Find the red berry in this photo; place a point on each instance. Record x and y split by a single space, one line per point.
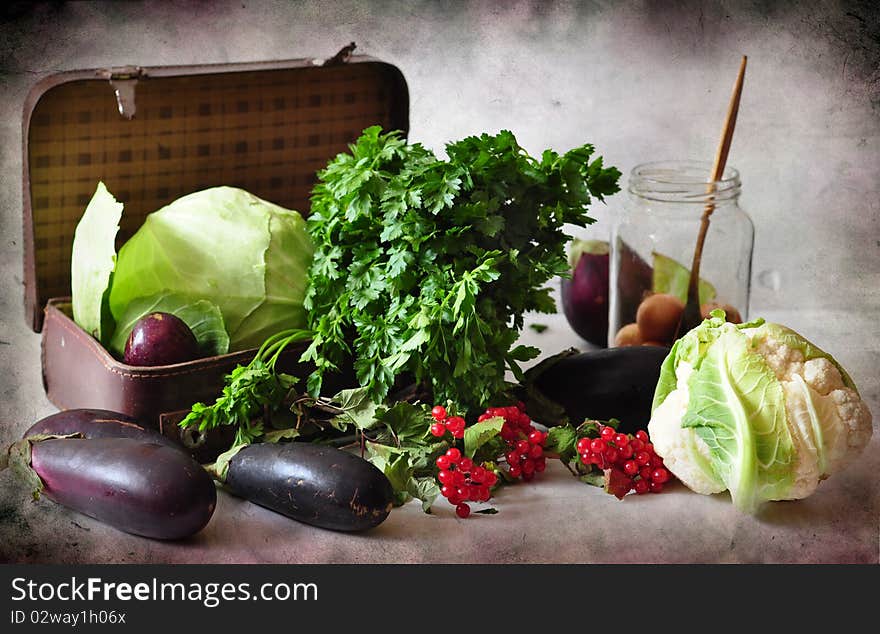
656 487
637 444
607 434
597 445
659 476
483 494
446 477
491 479
443 462
582 445
478 474
528 466
540 464
521 406
447 490
631 467
515 471
626 452
453 454
536 451
523 446
536 437
438 412
458 478
438 429
645 473
642 486
455 424
458 434
611 454
642 435
465 464
643 458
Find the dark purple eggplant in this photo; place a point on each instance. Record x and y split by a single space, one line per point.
138 487
315 484
96 423
574 386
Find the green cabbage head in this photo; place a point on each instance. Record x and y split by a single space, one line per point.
757 410
246 256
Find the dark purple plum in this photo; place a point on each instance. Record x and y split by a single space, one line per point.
138 487
585 295
160 339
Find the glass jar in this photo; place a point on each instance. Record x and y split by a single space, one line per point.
654 236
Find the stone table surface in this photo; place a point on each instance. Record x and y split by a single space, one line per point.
555 518
642 81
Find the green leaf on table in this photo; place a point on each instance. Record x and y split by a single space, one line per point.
202 316
358 409
407 422
673 278
278 435
393 462
594 478
424 489
563 441
478 434
93 262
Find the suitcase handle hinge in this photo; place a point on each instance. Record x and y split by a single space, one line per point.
123 81
342 56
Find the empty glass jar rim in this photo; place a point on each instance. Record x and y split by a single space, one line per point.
683 181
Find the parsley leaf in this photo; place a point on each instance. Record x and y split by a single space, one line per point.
424 267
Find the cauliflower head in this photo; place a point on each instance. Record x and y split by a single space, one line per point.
755 409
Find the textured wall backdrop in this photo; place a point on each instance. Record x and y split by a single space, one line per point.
641 80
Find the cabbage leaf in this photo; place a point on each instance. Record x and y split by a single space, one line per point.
202 317
92 263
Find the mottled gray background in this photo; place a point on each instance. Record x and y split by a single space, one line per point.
642 81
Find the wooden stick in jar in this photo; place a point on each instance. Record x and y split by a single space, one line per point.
691 316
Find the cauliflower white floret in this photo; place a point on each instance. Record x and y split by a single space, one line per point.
823 376
826 418
681 448
784 361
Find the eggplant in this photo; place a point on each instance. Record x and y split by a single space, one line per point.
574 386
315 484
139 487
96 423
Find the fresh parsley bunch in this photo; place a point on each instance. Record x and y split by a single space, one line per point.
424 267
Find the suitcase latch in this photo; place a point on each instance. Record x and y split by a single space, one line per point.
123 81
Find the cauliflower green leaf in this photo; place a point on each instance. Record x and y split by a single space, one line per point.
737 408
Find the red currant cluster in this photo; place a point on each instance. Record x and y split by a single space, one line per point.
461 481
631 460
443 423
525 444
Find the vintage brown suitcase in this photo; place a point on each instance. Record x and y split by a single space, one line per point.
153 135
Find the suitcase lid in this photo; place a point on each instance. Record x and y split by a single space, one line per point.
155 134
